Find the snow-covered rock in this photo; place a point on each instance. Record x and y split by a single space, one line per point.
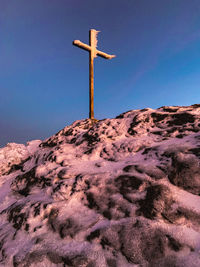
119 192
13 154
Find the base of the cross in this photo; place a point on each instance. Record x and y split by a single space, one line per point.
93 120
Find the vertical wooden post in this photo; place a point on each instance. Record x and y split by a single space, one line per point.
91 115
91 79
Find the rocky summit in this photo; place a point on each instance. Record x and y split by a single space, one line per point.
115 193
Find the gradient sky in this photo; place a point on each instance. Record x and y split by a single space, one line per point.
44 79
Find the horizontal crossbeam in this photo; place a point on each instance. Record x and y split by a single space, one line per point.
88 48
82 45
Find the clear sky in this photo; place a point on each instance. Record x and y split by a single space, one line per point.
44 79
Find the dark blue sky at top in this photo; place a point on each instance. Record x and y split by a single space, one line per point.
44 79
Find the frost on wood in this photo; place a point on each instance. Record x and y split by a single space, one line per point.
123 192
94 41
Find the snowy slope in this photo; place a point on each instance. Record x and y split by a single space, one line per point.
119 192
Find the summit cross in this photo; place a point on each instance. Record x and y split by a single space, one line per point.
92 49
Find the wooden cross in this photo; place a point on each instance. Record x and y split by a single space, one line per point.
93 53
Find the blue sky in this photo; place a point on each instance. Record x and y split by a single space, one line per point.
44 79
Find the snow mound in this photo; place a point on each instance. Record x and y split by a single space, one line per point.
118 192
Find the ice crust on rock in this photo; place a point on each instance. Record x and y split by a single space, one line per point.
120 192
